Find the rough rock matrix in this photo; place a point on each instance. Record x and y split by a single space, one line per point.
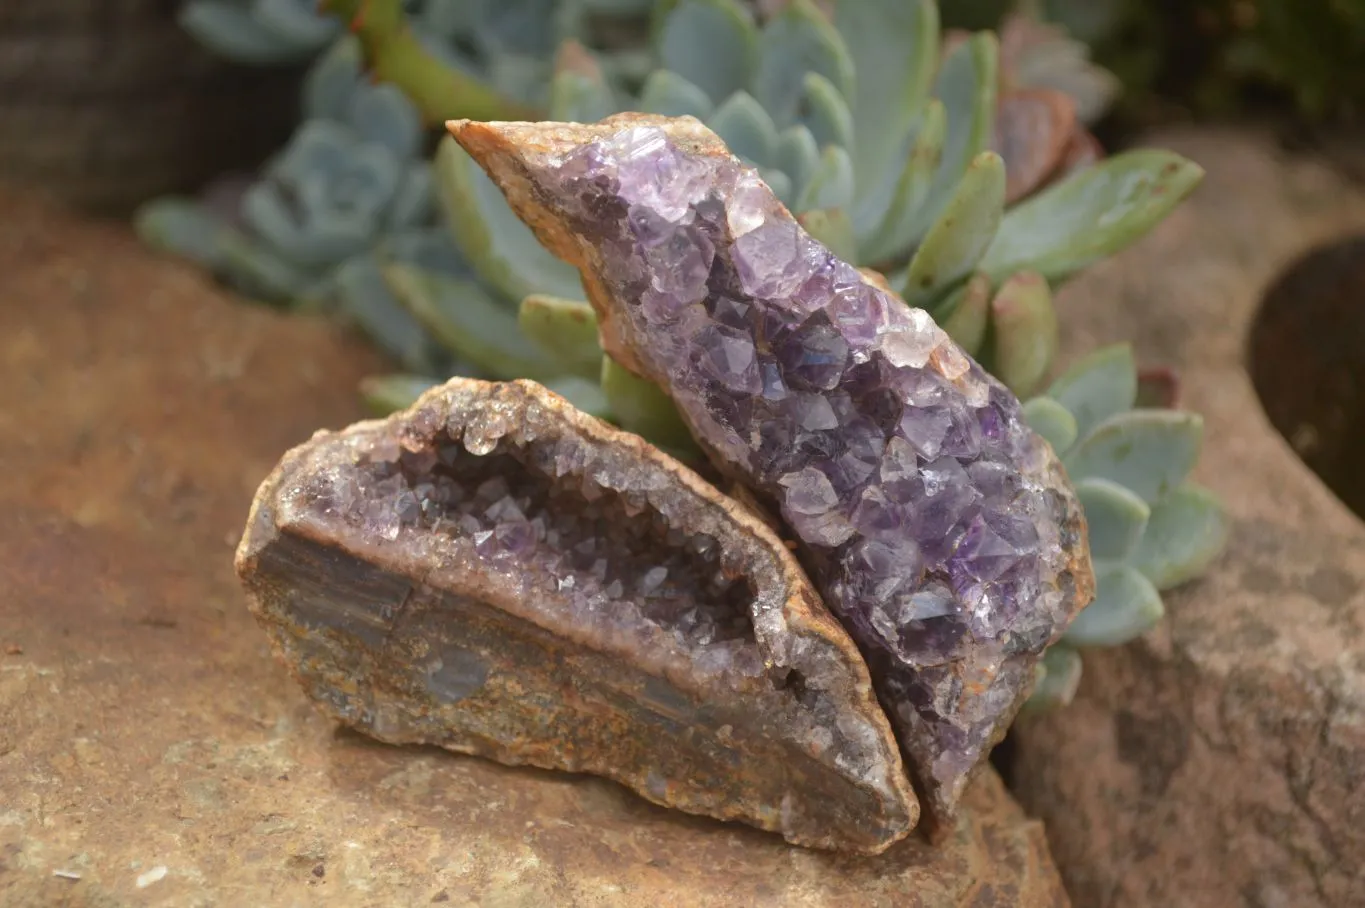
497 573
939 528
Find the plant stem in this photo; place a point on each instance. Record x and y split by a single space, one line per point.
394 55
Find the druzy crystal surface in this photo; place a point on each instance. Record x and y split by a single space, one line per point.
939 528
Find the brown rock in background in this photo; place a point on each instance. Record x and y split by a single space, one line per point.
106 103
1220 761
151 745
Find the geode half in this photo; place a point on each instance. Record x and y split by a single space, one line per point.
500 574
939 528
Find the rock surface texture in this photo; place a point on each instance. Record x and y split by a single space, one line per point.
497 573
1220 761
939 528
152 746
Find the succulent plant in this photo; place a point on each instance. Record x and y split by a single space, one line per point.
260 32
908 183
491 59
352 190
916 172
1151 528
466 58
1207 54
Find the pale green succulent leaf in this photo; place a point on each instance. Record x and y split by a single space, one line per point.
467 321
565 329
711 44
415 201
299 21
259 272
310 246
502 250
366 298
332 80
825 113
1098 386
745 127
1125 607
640 406
831 186
1091 214
447 19
580 97
585 394
1115 517
963 231
780 184
383 115
230 31
798 155
1187 530
899 229
317 147
966 85
1149 451
796 41
618 7
965 313
182 227
831 227
524 77
429 248
1059 679
669 94
1024 332
1052 421
385 394
895 44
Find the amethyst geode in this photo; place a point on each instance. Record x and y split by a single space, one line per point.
500 574
938 527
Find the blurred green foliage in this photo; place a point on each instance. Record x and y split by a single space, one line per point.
1213 57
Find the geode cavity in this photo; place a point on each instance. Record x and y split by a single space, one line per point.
940 529
497 573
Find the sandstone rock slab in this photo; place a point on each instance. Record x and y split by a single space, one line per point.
1221 760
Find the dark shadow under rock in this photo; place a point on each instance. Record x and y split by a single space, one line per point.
1307 359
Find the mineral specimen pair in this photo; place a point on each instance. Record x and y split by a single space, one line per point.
499 574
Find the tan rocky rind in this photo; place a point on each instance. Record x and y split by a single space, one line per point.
422 638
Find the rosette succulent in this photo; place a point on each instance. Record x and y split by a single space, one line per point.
477 58
350 191
260 32
1150 527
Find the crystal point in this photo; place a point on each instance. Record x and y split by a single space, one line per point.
863 422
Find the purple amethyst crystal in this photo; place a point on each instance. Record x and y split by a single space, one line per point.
938 527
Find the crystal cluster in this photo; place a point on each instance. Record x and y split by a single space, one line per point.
498 573
575 538
939 529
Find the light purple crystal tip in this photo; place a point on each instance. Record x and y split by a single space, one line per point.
940 530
